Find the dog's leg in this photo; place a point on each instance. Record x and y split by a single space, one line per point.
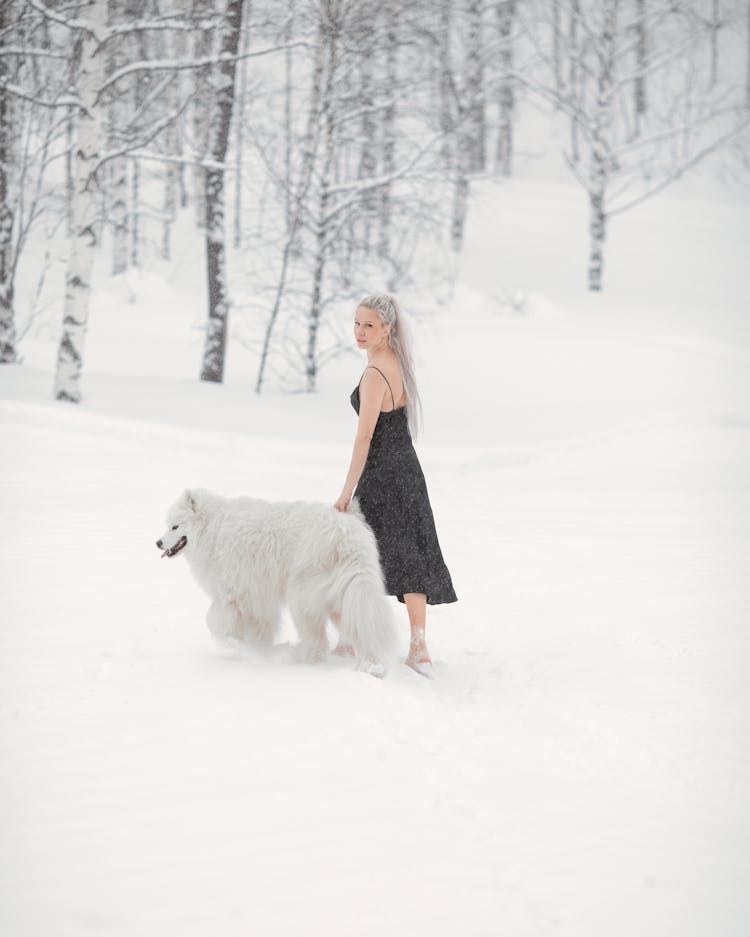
223 620
311 625
259 623
342 649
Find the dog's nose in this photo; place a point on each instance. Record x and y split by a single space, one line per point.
159 544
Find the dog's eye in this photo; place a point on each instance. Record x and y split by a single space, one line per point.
175 527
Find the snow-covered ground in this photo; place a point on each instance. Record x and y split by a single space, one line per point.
581 764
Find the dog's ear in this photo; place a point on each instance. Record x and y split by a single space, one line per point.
188 500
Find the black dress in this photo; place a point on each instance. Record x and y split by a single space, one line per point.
393 496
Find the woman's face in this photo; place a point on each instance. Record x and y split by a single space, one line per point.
369 331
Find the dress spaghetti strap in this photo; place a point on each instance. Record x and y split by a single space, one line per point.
393 399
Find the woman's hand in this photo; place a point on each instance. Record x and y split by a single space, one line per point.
343 502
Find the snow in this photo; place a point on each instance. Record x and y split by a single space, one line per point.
580 764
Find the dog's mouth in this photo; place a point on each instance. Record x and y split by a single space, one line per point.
172 551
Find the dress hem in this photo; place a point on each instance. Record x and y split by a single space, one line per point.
431 600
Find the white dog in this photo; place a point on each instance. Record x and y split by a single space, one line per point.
254 556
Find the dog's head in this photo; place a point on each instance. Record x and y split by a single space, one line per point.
181 519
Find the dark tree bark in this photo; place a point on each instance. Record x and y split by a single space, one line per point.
214 351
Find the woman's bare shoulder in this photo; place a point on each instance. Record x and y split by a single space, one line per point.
389 373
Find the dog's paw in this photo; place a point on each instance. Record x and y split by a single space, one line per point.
374 667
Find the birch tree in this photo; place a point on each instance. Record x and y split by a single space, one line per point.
629 152
355 198
506 10
475 133
33 79
214 350
118 55
7 312
88 34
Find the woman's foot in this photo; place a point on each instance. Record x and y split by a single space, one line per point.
419 657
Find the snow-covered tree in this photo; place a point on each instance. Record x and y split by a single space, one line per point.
356 186
88 32
219 124
623 151
29 130
7 313
506 11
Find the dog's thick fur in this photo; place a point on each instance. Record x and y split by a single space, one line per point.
252 557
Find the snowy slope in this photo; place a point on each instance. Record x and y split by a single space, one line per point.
579 766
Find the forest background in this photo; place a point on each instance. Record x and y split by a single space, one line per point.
320 150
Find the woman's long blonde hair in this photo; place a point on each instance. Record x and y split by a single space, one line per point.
399 339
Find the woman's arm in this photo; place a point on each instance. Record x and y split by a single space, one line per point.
372 390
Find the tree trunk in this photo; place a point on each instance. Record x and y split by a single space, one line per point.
7 311
599 167
557 49
294 211
715 26
311 360
506 12
202 107
447 123
85 207
240 128
171 147
70 137
368 159
118 55
388 130
475 88
288 115
135 227
460 206
597 233
641 53
169 207
330 32
368 151
119 211
214 350
181 45
575 12
141 84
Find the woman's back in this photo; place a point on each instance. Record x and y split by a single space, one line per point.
394 396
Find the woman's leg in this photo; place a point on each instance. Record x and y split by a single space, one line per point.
416 606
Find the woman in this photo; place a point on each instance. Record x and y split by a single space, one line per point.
386 473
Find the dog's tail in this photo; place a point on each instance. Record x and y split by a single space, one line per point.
367 620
